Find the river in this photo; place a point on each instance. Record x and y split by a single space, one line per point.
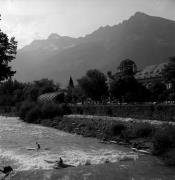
17 137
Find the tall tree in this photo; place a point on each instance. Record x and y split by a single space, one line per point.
169 71
70 91
71 83
126 88
8 49
94 84
158 90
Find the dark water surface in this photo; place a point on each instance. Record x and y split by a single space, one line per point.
17 137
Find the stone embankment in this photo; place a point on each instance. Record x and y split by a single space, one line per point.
119 119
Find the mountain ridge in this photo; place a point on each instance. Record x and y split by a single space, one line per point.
143 38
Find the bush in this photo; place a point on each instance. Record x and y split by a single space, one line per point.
79 110
51 110
169 157
163 140
114 130
143 130
24 108
117 129
66 109
109 112
33 115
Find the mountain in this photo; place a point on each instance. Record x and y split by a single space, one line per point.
144 39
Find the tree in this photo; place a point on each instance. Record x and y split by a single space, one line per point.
169 72
169 77
35 89
126 88
11 92
71 83
45 86
94 84
70 91
117 89
157 91
8 50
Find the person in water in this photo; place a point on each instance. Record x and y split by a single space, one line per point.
59 162
38 146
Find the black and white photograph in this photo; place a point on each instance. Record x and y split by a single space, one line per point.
87 89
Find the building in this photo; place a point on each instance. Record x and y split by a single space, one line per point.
57 97
147 76
152 74
127 65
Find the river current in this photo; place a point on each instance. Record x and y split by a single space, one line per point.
17 148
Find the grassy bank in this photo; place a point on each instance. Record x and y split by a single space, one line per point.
158 140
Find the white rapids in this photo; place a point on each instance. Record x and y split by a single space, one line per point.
17 137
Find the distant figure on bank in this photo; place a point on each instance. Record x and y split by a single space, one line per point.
38 146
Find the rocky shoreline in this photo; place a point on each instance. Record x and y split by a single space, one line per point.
108 132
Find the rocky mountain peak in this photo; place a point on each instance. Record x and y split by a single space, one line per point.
54 36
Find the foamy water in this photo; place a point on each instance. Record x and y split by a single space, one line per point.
76 158
16 137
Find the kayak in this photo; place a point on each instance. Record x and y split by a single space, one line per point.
57 166
31 149
141 151
62 166
49 161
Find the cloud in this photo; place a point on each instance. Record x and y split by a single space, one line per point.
31 19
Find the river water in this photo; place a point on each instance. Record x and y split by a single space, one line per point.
17 137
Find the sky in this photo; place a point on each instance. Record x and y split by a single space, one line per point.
28 20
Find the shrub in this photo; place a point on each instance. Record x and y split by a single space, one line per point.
24 108
33 115
113 130
66 109
143 130
79 110
163 140
117 129
109 112
50 110
169 157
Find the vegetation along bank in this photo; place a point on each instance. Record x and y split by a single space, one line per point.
158 140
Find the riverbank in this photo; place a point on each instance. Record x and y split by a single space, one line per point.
133 135
156 139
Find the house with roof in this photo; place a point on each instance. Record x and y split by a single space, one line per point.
152 74
57 97
147 76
